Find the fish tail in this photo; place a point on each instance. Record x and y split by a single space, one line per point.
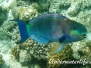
24 29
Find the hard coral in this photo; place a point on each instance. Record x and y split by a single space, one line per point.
74 9
64 55
26 13
32 48
15 52
1 60
85 52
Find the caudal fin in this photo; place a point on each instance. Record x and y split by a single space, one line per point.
23 28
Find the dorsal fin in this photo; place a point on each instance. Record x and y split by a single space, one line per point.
44 16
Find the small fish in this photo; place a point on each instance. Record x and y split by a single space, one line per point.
52 27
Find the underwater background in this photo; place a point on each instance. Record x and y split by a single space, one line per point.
32 54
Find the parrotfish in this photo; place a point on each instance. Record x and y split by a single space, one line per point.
52 27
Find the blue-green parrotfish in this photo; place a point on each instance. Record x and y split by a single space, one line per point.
52 27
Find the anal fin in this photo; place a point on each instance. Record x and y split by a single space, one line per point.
40 39
60 47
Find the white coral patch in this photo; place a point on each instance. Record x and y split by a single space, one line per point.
89 36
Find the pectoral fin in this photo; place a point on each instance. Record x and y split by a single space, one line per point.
60 47
61 39
40 39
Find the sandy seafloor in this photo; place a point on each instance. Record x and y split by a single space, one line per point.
32 54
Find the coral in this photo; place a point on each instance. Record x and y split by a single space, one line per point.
76 55
26 13
74 9
24 57
44 4
37 7
6 5
65 54
85 52
31 54
33 48
15 52
78 46
1 60
4 35
59 6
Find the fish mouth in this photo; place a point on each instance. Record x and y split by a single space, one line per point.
84 35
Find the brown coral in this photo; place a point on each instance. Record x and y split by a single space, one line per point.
1 60
15 51
26 13
65 54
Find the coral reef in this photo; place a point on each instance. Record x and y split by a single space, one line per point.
6 5
59 6
85 52
74 9
33 48
1 60
25 13
31 54
44 4
65 54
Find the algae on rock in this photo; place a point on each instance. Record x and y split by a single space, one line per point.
55 58
1 60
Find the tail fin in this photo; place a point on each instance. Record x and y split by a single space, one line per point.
24 30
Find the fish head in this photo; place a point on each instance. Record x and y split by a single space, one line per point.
77 31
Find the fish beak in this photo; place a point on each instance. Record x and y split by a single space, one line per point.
84 35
